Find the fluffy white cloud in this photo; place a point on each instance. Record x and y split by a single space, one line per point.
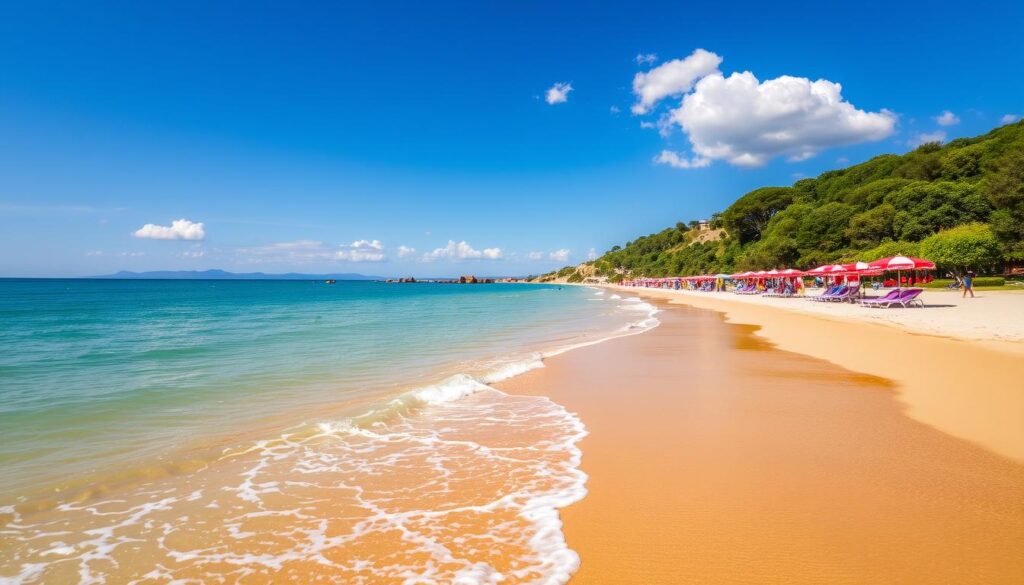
592 254
560 255
678 161
405 251
558 93
462 251
646 59
947 118
1009 118
535 255
926 137
362 251
180 229
746 122
674 77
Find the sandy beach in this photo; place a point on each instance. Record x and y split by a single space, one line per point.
965 382
756 444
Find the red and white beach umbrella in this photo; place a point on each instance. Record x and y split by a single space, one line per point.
827 269
902 263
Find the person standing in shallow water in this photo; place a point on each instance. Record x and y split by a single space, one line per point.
969 284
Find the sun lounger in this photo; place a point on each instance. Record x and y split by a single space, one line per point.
851 294
832 293
905 298
889 296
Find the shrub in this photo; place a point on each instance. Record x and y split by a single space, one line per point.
965 247
978 281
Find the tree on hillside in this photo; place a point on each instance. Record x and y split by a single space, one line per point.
1005 189
824 229
967 247
923 208
748 216
872 226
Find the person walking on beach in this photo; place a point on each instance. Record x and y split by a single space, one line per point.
969 285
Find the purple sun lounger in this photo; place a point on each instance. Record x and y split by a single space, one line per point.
906 298
889 296
832 294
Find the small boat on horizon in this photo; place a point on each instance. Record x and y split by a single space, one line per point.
330 281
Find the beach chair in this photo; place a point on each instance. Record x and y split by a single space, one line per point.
816 297
910 298
905 298
832 293
851 294
889 296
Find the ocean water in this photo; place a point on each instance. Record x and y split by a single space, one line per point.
226 431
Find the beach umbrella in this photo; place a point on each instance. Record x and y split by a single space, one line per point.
901 263
827 269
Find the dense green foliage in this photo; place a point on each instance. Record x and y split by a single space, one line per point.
964 247
960 204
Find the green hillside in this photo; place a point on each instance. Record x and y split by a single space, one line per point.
907 204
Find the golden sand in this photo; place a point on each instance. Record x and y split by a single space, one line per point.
970 388
714 457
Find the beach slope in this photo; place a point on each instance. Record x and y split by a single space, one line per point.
714 457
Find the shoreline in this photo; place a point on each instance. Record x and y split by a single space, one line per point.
969 388
716 455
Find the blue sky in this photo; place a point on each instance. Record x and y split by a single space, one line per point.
325 137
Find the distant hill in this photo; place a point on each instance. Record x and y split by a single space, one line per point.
224 275
956 198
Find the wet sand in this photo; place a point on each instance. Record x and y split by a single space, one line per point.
714 457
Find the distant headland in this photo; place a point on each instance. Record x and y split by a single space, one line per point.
215 274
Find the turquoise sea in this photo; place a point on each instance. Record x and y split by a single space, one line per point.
111 388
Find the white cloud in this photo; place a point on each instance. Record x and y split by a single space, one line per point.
674 77
535 255
405 251
362 251
193 254
677 161
1009 118
560 255
94 253
306 251
926 137
592 254
645 59
947 118
180 229
462 251
558 93
614 109
746 122
842 160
